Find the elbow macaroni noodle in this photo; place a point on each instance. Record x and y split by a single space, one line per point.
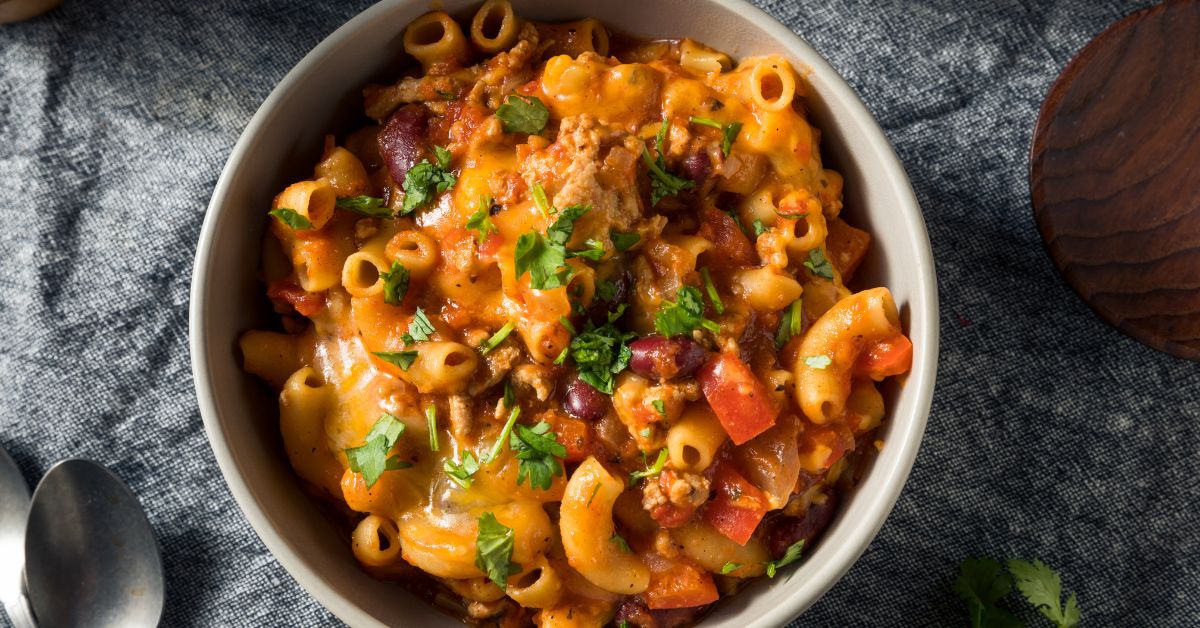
569 274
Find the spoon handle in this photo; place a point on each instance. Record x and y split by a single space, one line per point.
20 613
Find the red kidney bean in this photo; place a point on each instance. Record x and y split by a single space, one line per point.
583 401
677 617
697 166
402 140
633 612
786 531
656 357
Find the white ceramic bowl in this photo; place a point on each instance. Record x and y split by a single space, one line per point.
282 142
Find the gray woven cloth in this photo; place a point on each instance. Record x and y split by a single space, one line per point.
1052 435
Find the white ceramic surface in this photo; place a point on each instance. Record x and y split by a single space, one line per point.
283 140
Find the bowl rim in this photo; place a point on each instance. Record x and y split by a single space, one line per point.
908 440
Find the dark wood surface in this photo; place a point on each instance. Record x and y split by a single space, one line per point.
1115 176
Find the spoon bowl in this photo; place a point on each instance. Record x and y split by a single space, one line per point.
91 557
14 507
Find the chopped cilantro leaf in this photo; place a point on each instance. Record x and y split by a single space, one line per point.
538 452
523 114
819 362
620 542
790 556
981 583
624 241
371 459
818 264
729 132
366 205
510 395
497 338
685 314
566 323
660 407
504 434
594 251
425 180
481 221
493 550
606 290
601 352
1042 588
544 256
790 324
594 491
759 227
291 218
419 329
662 183
730 566
711 290
462 472
651 470
395 284
539 199
402 359
431 421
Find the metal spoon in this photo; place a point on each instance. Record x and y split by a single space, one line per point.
91 557
14 507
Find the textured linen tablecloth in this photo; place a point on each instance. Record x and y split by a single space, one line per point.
1051 435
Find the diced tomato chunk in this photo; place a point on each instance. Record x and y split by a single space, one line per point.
737 506
679 584
574 435
670 515
491 246
741 402
821 446
846 247
732 247
288 291
890 356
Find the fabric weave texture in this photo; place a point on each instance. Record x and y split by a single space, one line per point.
1051 435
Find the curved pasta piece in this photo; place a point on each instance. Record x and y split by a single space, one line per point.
693 441
586 524
415 250
441 367
697 57
772 84
342 171
303 405
833 345
574 38
538 586
864 407
375 541
475 589
314 200
444 545
435 38
361 274
270 355
495 26
713 550
765 288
